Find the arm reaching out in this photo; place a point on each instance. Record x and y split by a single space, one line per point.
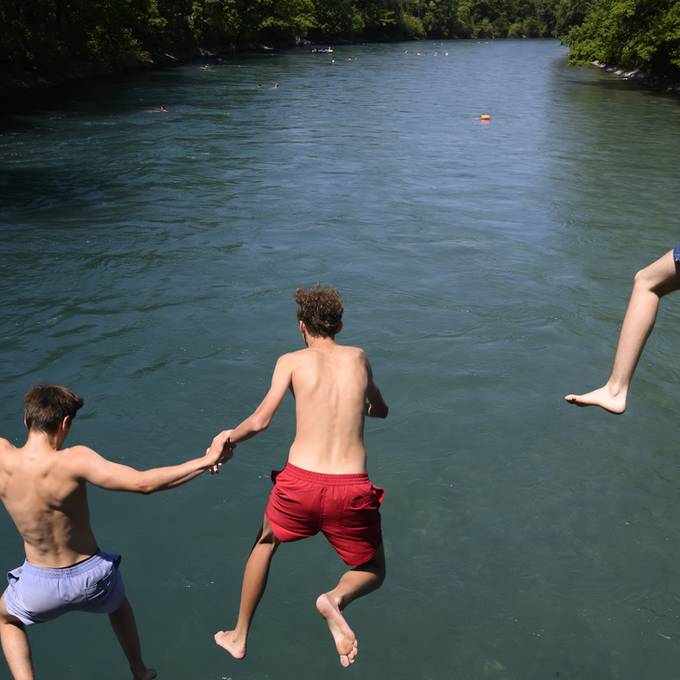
101 472
375 404
260 418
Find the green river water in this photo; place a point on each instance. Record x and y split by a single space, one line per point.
149 261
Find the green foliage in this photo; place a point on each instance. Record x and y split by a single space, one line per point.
633 34
412 26
45 34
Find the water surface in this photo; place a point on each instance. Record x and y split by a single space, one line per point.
150 260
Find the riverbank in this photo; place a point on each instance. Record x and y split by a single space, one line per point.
670 85
27 88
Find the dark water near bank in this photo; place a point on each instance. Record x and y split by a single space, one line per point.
149 261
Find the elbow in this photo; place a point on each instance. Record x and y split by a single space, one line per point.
145 485
259 423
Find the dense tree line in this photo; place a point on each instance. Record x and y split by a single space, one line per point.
642 34
47 33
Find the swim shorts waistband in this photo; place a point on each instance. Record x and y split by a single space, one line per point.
323 478
61 572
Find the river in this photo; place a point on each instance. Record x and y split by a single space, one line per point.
149 261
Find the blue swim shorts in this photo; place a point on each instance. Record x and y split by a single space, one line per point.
38 594
676 253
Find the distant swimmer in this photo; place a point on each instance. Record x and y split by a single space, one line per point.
162 109
205 67
275 86
649 286
43 487
324 487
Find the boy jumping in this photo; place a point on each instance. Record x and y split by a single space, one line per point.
324 486
650 285
43 488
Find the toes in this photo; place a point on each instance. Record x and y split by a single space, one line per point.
344 660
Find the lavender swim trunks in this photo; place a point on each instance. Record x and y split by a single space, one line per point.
38 594
676 253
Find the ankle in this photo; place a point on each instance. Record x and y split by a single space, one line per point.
240 635
616 388
138 670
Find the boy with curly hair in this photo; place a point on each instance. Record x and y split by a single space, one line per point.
324 487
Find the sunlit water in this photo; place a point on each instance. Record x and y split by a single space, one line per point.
149 261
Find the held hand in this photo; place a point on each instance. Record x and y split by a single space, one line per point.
221 450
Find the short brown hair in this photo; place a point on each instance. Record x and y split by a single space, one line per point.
321 310
45 406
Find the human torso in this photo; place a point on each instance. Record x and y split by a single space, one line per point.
47 503
330 391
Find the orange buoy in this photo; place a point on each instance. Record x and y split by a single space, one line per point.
485 116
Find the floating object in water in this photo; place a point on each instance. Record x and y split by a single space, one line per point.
322 50
486 117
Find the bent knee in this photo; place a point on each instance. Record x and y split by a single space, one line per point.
380 577
643 279
267 539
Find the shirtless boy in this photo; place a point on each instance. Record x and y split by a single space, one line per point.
43 488
650 285
325 486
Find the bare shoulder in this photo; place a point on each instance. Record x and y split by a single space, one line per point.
357 353
300 356
78 457
79 451
288 361
5 448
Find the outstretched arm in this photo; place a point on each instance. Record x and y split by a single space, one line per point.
95 469
375 404
260 418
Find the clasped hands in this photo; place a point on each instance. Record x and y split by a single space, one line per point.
219 452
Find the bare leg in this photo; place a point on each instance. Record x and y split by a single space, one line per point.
15 645
125 628
353 584
651 284
254 583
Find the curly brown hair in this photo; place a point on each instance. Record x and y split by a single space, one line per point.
320 308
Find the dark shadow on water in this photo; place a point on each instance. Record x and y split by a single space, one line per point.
38 188
100 94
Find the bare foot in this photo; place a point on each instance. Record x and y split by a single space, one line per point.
227 640
345 640
604 397
146 674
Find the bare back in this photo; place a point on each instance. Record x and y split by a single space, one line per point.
330 386
47 502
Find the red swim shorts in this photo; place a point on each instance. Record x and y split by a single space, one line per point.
345 508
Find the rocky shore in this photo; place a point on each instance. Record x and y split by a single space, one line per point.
646 79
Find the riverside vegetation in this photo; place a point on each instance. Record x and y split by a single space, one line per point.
48 36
